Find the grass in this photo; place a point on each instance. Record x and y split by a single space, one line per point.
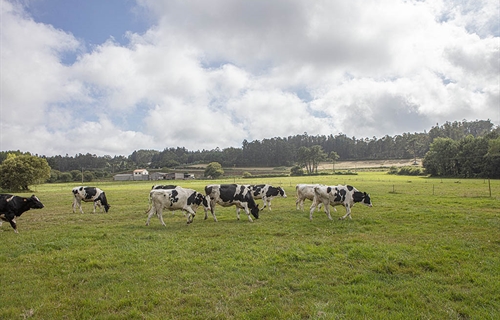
413 255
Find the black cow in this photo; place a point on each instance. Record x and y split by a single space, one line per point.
228 195
14 206
266 192
89 194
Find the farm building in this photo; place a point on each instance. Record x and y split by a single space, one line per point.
178 176
157 176
139 176
140 172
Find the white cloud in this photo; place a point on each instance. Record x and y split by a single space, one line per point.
211 74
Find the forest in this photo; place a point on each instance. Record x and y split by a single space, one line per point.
460 148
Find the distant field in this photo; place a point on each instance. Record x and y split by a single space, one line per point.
427 249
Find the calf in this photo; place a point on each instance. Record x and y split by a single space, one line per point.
338 195
160 186
89 194
228 195
14 206
266 192
305 191
176 199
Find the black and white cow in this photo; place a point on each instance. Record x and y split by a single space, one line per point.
160 186
338 195
228 195
163 186
14 206
176 199
266 192
89 194
305 191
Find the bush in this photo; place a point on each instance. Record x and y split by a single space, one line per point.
296 171
247 174
407 171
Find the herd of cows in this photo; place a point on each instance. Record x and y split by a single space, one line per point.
172 197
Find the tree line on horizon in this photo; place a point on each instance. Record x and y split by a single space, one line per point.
460 148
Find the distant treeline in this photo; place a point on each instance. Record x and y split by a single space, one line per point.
278 151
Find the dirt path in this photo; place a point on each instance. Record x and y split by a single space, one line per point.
368 164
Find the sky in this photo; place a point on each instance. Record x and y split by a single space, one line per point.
111 77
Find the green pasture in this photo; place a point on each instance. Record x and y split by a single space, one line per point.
427 249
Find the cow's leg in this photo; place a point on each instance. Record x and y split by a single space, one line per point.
267 201
98 204
150 214
348 213
77 202
247 211
264 201
160 216
311 210
190 215
13 224
327 210
212 209
299 203
237 213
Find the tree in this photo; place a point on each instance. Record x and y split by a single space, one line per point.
333 156
311 157
214 170
19 172
493 159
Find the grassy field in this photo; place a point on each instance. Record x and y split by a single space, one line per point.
427 249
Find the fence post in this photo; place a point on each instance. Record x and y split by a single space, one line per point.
489 186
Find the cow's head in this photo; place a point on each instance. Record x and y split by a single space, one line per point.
34 202
282 192
106 207
203 200
366 199
255 211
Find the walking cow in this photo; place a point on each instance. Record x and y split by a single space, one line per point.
176 199
228 195
14 206
266 192
305 191
338 195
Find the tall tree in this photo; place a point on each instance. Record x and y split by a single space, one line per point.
19 172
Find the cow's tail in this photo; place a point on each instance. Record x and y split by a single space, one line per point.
316 196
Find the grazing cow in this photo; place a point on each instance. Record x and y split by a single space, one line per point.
89 194
228 195
14 206
266 192
176 199
338 195
305 191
